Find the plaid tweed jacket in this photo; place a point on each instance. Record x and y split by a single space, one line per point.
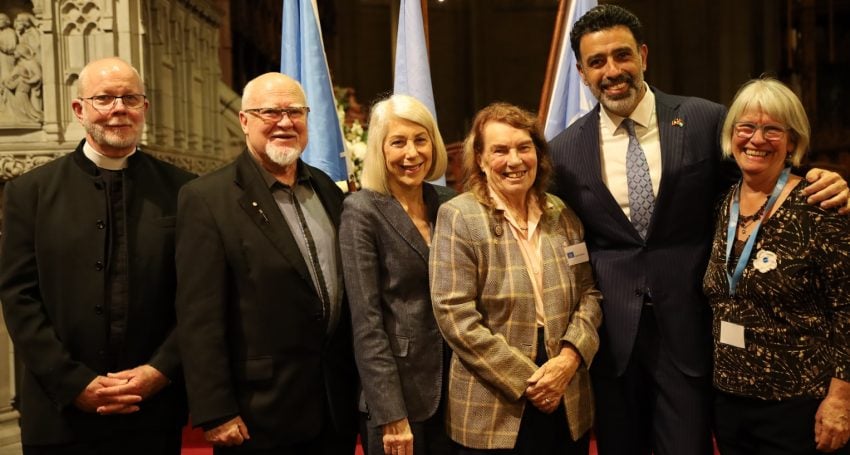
484 305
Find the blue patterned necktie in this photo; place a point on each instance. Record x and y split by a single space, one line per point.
641 198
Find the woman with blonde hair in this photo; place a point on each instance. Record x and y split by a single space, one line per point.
385 234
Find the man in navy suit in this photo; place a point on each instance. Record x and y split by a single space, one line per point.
649 220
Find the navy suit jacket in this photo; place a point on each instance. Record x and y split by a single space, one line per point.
671 262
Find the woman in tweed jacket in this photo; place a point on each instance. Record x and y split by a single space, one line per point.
514 297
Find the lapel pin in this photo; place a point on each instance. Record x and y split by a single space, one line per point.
263 216
678 122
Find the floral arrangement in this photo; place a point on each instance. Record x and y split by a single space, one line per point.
354 133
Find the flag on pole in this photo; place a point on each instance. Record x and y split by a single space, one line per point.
570 98
412 71
302 57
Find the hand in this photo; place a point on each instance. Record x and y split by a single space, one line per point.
142 381
398 438
230 433
832 421
828 189
547 385
90 399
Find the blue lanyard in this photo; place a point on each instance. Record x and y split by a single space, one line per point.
733 226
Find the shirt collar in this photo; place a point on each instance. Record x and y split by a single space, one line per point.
302 175
642 114
534 210
105 162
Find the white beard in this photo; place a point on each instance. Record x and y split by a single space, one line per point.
282 155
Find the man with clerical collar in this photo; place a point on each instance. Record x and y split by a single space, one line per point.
87 283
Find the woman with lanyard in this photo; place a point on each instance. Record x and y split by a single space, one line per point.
777 284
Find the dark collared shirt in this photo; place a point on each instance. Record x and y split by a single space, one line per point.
321 228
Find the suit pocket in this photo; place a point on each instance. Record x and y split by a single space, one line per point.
399 345
258 369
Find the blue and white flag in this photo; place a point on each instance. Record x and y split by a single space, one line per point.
302 57
570 98
412 71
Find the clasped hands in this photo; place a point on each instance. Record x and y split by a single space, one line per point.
121 392
547 384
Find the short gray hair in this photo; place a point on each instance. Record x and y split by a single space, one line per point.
775 99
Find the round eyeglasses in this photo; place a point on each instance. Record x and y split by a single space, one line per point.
107 102
770 132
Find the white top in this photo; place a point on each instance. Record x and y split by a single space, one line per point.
103 161
614 142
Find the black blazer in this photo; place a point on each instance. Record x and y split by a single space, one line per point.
249 318
398 347
671 262
52 286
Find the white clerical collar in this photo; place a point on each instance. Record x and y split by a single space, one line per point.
105 162
642 115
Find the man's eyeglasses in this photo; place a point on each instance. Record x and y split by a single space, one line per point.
107 102
275 114
770 132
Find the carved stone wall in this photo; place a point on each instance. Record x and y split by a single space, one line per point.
174 44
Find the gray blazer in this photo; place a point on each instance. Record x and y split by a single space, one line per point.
397 346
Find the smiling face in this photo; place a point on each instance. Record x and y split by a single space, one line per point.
509 161
114 132
757 155
408 152
276 144
612 66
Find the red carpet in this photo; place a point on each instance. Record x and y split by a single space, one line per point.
194 444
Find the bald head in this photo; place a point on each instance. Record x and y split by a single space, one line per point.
271 85
105 69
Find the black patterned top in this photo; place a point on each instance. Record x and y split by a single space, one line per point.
795 307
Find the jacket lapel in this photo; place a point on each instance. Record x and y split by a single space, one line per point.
262 210
671 129
591 165
401 223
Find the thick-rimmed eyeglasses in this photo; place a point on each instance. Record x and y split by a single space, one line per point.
107 102
770 131
275 114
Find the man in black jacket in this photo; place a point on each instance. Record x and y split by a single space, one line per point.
87 283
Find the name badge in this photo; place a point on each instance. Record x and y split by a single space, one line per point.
732 334
577 254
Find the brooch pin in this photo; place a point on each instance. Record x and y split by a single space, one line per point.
678 122
765 261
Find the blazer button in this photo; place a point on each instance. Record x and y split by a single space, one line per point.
98 309
98 265
100 224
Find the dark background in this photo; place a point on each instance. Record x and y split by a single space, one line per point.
488 50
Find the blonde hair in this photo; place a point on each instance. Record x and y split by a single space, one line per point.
404 107
775 99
